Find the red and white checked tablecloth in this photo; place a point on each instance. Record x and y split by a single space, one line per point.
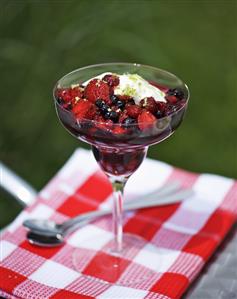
180 237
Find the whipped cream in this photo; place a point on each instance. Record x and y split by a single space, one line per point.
135 86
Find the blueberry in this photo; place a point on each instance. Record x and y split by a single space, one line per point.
99 103
178 93
120 104
114 99
104 108
107 115
114 116
129 121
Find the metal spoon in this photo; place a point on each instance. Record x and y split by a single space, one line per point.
49 228
55 235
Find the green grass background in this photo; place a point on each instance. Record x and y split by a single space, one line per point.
42 40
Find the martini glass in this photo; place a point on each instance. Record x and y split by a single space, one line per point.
119 156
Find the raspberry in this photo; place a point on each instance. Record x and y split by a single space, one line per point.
64 94
133 110
112 80
149 104
84 110
146 120
97 89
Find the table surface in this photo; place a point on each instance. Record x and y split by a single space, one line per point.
218 280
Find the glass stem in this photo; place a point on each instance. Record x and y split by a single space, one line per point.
118 188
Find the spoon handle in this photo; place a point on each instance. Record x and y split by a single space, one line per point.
160 192
128 206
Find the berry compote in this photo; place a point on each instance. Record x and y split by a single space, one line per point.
118 127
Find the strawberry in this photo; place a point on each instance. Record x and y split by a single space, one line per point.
84 110
103 124
146 120
123 116
97 89
133 110
149 104
76 92
171 99
118 130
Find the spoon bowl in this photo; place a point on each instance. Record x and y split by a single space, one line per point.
43 227
45 241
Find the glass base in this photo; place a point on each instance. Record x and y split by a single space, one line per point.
118 268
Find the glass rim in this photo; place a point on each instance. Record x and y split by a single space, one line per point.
122 64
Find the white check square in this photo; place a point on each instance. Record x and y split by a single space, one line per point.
145 178
90 237
118 292
42 211
212 187
6 248
54 275
157 259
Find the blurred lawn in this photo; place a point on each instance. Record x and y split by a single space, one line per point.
42 40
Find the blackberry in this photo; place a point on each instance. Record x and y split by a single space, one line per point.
159 114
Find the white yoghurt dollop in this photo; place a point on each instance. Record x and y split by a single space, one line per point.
135 86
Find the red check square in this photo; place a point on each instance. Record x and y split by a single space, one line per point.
46 252
92 268
101 189
10 279
171 285
69 295
73 206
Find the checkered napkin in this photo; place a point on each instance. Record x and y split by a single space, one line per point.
180 237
